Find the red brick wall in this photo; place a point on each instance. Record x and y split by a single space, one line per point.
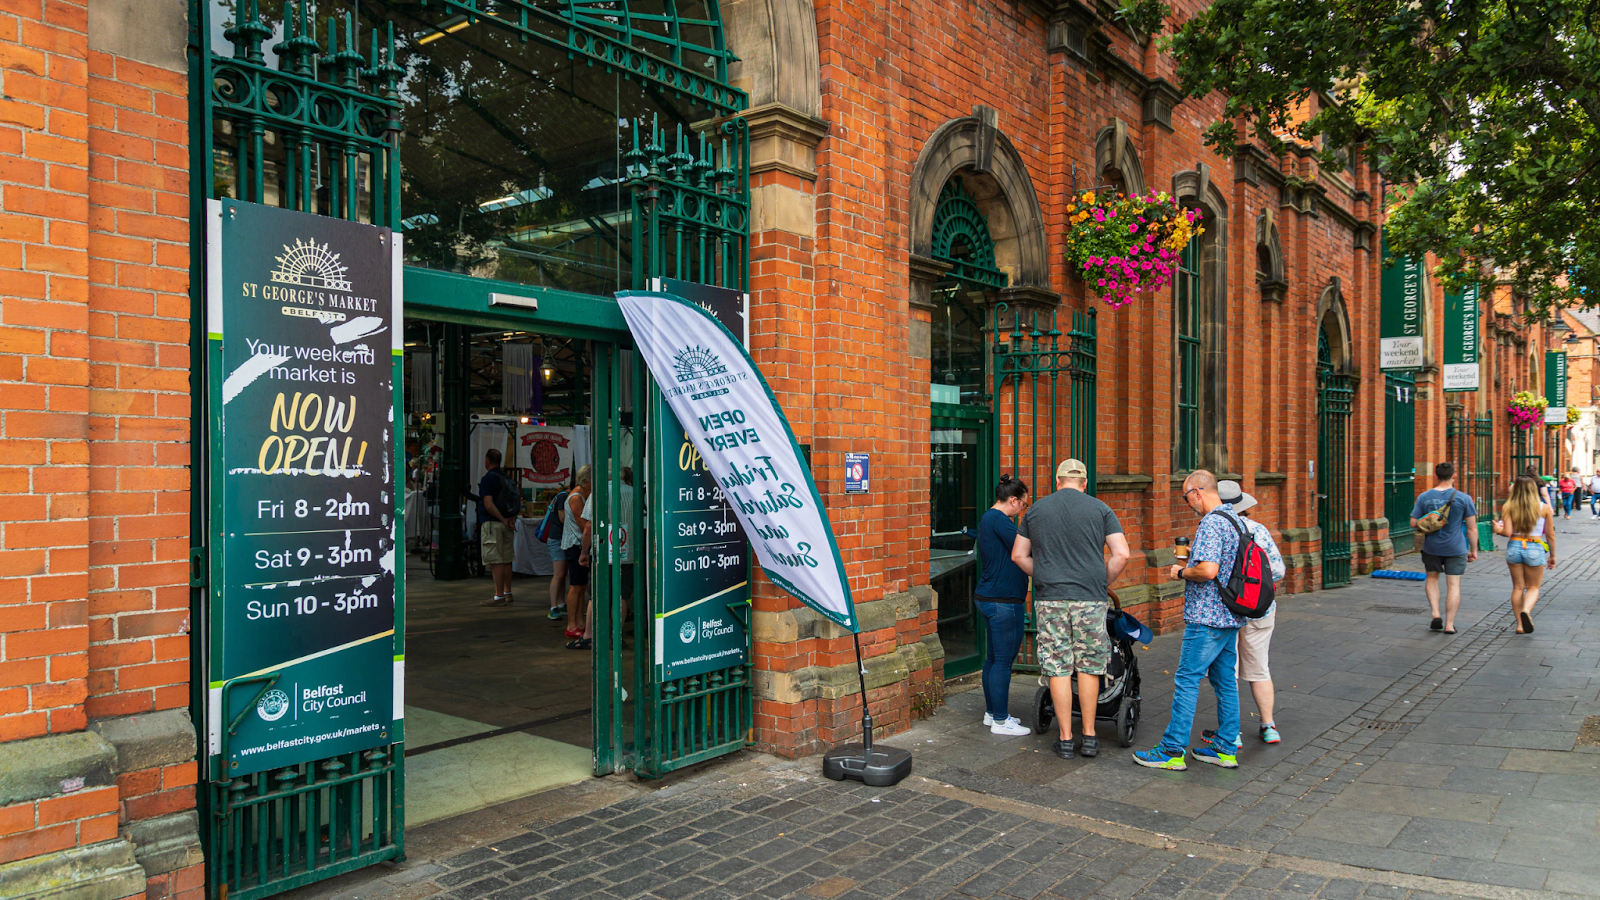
94 407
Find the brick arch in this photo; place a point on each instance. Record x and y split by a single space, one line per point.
1114 152
1334 318
980 154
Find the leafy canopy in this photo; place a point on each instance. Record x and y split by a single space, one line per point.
1482 115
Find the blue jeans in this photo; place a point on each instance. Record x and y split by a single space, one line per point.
1566 503
1592 498
1005 639
1209 652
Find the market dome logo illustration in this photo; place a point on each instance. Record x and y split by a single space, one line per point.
272 705
695 363
312 265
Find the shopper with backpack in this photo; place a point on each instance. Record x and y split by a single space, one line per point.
1255 638
1445 516
550 531
1211 626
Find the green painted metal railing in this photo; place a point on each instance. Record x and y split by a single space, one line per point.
1335 396
1399 457
1031 361
961 238
317 134
691 221
1469 446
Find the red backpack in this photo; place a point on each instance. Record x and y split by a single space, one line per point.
1248 590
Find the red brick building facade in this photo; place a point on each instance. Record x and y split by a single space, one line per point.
861 117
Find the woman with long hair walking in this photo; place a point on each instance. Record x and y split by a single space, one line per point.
1530 526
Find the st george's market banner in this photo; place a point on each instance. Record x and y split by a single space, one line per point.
735 423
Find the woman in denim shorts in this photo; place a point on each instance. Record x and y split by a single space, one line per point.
1530 525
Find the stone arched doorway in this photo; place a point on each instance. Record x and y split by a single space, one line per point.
1335 402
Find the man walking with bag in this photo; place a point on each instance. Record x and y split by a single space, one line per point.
1210 633
1446 516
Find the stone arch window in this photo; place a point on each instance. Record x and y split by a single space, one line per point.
1269 259
1116 160
1200 312
963 243
1334 321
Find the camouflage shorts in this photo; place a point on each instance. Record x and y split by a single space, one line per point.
1073 635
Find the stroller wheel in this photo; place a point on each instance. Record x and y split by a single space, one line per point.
1040 713
1128 723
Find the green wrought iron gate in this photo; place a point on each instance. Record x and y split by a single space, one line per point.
1037 377
318 133
1334 399
1469 445
691 214
1399 457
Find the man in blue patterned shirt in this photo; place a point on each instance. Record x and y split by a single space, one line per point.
1209 633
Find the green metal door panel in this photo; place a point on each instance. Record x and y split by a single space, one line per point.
1335 396
1399 457
959 493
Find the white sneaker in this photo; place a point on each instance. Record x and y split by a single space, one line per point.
1010 728
988 719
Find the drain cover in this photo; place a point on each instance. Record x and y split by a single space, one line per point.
1384 725
1589 734
1401 610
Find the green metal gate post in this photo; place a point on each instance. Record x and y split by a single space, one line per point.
334 112
1400 466
1334 401
1486 479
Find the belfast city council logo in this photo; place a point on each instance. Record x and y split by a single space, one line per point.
686 632
311 265
272 705
695 363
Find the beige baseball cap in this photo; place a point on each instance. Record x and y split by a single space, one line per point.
1072 468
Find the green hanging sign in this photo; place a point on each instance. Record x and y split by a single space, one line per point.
1400 319
303 319
1461 338
1555 387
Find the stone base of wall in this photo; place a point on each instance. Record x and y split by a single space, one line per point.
1370 547
820 705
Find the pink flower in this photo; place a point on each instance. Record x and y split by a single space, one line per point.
1133 229
1102 282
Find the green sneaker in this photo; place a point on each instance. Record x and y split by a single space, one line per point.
1157 758
1216 757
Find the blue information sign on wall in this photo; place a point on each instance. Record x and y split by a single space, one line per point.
857 473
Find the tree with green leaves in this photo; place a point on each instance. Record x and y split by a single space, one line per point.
1482 116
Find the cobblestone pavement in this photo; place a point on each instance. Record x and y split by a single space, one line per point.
1414 765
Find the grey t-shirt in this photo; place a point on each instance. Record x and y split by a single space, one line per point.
1449 540
1068 530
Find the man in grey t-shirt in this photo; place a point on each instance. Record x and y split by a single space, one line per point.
1074 548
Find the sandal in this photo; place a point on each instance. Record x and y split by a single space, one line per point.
1527 623
582 643
1438 624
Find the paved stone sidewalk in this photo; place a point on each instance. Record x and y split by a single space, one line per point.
1414 765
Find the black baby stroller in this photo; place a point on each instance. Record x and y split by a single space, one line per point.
1119 687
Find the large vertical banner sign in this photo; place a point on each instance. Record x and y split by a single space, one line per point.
1461 340
734 423
701 598
1555 387
1400 317
303 315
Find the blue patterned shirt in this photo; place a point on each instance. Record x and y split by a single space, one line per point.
1216 540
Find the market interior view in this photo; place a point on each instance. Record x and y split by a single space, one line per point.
498 686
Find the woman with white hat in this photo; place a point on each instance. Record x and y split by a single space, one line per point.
1256 635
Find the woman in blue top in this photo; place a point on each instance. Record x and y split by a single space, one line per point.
1001 596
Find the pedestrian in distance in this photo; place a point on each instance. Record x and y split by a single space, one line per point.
1568 486
498 506
1594 492
1255 638
577 571
1002 598
1073 547
1530 527
1445 516
556 515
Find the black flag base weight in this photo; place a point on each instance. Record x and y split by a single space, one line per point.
874 766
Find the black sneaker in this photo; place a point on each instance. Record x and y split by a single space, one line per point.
1064 749
1089 747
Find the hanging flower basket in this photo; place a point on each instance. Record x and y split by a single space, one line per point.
1123 246
1526 410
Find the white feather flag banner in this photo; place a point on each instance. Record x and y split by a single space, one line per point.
735 423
